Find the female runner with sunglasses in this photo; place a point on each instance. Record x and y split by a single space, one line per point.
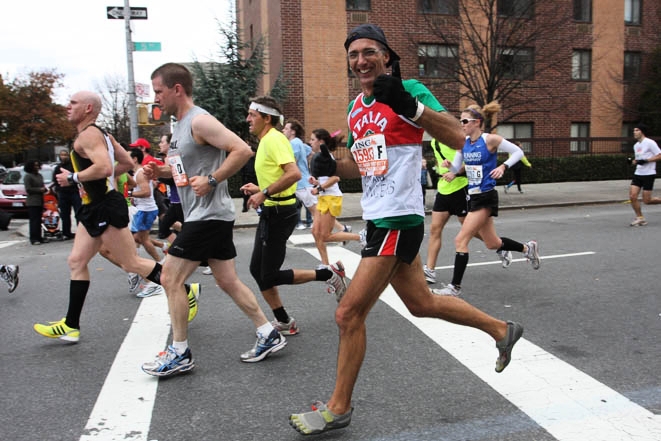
479 156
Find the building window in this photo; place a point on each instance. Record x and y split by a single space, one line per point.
627 132
632 12
516 131
517 63
448 7
358 5
581 64
579 130
437 60
583 10
516 8
631 67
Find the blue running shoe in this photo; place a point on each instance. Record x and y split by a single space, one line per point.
264 346
169 363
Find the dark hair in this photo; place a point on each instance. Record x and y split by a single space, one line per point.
331 141
173 73
137 153
297 127
270 102
642 127
31 166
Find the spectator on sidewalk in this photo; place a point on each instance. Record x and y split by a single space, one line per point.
34 187
67 197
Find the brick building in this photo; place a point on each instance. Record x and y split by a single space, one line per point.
581 78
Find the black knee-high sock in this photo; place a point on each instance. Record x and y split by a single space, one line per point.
511 245
323 274
460 264
77 293
281 315
155 275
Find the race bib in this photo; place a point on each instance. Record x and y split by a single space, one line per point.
178 173
371 155
474 175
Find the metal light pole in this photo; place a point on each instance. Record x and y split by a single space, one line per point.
133 111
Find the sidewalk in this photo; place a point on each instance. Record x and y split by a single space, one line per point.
559 194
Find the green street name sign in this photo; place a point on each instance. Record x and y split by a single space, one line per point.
147 46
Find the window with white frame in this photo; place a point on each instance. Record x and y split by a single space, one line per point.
437 60
632 12
358 5
514 131
579 130
581 65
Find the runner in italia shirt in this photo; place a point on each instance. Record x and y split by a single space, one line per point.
388 151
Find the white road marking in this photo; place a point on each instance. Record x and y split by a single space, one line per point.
124 407
498 262
566 402
10 243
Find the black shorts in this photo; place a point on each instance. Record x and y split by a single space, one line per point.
646 182
405 244
203 240
454 203
174 214
484 200
97 216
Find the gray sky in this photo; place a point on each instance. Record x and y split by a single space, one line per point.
77 39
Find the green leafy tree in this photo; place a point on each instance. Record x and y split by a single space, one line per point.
224 87
650 104
28 116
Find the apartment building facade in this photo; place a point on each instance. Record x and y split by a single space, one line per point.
575 71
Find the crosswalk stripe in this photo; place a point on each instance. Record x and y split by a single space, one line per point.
124 407
566 402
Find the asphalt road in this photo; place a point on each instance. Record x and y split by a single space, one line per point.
587 368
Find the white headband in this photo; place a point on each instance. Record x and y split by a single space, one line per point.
268 110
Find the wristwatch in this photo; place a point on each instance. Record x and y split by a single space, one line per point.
266 192
212 181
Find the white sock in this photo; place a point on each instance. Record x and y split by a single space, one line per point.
180 346
265 330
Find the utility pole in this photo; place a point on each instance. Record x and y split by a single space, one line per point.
133 110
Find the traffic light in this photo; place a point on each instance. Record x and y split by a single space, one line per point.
143 114
157 116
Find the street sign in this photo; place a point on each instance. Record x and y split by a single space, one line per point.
147 46
117 12
142 90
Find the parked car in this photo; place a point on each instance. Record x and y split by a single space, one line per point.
3 173
12 190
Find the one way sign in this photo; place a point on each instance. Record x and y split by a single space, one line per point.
117 12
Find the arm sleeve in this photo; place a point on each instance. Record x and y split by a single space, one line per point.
457 161
515 152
